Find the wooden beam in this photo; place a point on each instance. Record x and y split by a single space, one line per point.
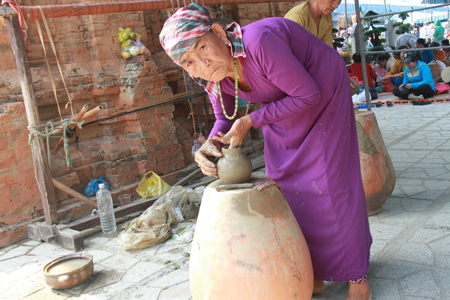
44 179
74 193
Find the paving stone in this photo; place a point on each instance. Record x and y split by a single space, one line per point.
99 255
47 294
104 278
384 231
106 292
428 195
414 285
377 246
31 243
50 250
440 219
138 292
427 235
417 253
170 279
11 269
446 209
436 185
120 262
415 205
442 245
401 218
142 270
176 292
20 250
383 289
393 269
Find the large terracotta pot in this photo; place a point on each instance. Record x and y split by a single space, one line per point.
248 245
377 170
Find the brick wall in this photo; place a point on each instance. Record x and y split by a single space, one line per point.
123 148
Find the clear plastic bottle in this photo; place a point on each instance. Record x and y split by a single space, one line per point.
105 209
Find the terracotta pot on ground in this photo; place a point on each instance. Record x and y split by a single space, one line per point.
377 170
248 245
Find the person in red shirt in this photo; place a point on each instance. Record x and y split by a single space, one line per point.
355 69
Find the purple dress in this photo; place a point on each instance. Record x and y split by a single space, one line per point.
311 146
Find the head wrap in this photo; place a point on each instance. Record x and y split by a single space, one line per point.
183 28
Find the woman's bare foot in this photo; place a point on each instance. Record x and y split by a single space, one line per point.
319 287
359 291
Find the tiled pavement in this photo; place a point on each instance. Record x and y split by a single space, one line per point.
410 256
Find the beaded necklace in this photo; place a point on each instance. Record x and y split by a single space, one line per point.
220 94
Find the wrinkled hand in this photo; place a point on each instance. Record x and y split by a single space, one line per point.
209 148
353 82
236 135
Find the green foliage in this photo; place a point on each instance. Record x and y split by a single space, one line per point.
347 58
338 42
373 32
402 27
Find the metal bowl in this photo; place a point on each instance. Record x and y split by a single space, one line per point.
68 271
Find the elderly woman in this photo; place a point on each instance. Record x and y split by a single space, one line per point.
315 16
307 117
418 81
395 75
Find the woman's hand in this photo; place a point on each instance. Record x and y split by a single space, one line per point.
387 77
400 86
210 148
236 135
353 82
408 86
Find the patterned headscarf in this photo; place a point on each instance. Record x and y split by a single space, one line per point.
183 28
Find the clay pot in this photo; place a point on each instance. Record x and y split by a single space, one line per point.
234 166
71 276
377 170
248 245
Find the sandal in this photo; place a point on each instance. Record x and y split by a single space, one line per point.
389 104
378 104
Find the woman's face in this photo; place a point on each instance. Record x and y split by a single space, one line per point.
382 63
402 55
326 7
412 65
209 57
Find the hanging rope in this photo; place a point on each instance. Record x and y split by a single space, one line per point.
22 21
56 56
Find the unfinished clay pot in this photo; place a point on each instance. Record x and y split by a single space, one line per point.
234 166
248 245
377 170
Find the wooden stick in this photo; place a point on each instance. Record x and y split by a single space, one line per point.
189 177
76 119
43 172
84 116
74 193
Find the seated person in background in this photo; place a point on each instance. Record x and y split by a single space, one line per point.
445 42
418 81
439 54
427 55
355 69
386 61
395 75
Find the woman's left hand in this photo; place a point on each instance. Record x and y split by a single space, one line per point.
237 132
407 86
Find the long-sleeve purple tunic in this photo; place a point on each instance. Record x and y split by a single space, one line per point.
311 146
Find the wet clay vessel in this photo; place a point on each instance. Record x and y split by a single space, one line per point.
248 245
377 170
234 166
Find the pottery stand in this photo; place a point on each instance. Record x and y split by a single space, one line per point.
377 170
248 245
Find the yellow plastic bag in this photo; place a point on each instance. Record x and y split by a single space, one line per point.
152 186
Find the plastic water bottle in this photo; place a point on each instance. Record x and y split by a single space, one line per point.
105 209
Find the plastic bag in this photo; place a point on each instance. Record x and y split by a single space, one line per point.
92 186
149 229
152 186
181 198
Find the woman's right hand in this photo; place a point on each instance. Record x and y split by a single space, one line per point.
209 148
387 77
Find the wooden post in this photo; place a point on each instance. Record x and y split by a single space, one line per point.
44 179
